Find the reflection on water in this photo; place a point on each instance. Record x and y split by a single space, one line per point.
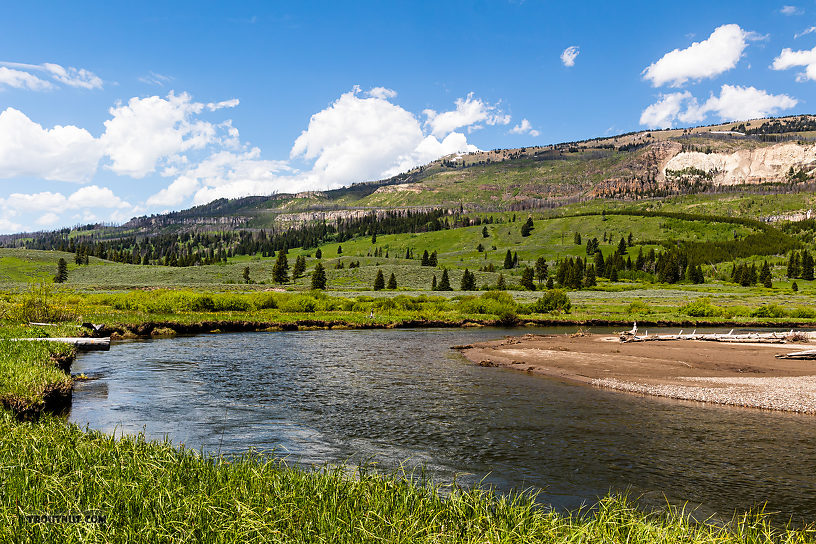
403 397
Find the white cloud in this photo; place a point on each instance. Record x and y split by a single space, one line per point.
569 55
156 79
7 226
73 77
148 130
361 136
662 113
231 103
805 32
22 80
789 58
790 10
65 153
93 196
734 103
34 202
469 112
382 92
711 57
524 128
47 219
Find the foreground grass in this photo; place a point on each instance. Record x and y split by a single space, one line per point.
29 376
155 492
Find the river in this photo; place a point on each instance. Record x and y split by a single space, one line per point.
404 398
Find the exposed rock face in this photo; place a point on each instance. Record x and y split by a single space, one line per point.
762 165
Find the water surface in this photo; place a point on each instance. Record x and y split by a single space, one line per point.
397 397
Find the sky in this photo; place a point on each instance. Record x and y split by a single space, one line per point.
111 110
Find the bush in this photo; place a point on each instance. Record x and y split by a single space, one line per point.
552 301
492 302
638 307
769 310
298 303
702 307
266 301
231 303
803 312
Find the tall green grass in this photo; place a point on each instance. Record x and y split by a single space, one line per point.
155 492
29 375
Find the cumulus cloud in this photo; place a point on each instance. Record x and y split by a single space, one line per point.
22 80
73 77
663 113
524 128
65 153
469 112
47 219
734 103
145 131
360 136
569 55
720 52
789 58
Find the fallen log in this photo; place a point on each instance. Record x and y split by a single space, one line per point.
805 355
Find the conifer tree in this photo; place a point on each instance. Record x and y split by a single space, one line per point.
500 284
468 281
300 267
444 282
379 281
589 276
280 271
433 283
432 259
576 238
515 259
62 271
425 259
339 250
527 227
508 260
807 265
319 277
541 269
318 254
246 275
765 275
527 279
392 281
484 232
550 283
613 275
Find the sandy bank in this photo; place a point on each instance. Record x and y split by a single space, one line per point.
734 374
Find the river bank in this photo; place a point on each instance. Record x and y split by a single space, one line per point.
744 374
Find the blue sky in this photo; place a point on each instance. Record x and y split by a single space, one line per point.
110 110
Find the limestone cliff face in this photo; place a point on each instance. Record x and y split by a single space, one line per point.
761 165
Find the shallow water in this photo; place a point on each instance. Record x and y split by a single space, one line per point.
403 397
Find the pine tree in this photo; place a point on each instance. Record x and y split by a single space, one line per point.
622 247
576 238
794 287
318 254
433 283
319 277
527 279
374 237
541 269
468 281
246 275
379 281
339 250
527 227
425 259
613 275
589 276
500 284
807 265
515 259
600 265
765 275
484 232
508 260
280 271
550 283
392 281
300 267
62 271
444 283
432 259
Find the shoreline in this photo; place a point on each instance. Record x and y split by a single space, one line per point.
741 375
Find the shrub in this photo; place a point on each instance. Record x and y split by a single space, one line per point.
298 303
638 307
702 307
552 301
769 310
231 303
